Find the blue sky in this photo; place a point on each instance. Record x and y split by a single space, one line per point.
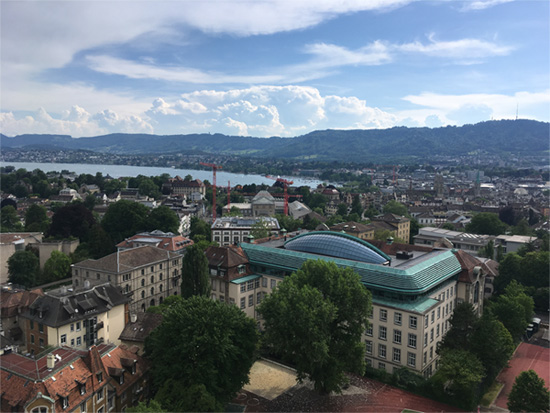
269 68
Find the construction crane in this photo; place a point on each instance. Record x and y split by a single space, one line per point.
285 185
214 169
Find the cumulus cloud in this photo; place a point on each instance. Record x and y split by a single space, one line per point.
76 122
482 4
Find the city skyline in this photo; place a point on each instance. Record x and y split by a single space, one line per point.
274 68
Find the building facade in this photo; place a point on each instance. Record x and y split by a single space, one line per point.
81 318
234 230
147 274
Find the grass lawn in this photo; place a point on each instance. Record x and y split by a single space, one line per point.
491 394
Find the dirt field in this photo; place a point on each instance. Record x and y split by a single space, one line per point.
527 357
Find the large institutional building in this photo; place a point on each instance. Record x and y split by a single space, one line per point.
414 289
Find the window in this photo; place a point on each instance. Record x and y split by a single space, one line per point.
397 319
413 321
40 327
101 409
437 331
426 321
397 336
451 291
152 279
433 316
396 355
41 409
83 389
83 408
142 294
264 282
160 266
64 402
382 333
243 287
258 298
41 342
142 271
78 326
411 359
368 347
383 315
160 276
143 282
368 331
32 338
431 335
381 366
425 339
72 342
160 288
98 276
152 290
273 284
99 395
431 352
63 339
382 351
213 284
152 268
251 300
243 302
447 294
438 313
425 357
72 327
412 340
250 285
99 377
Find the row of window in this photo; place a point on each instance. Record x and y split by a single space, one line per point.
441 311
383 335
396 353
40 326
77 342
251 300
397 318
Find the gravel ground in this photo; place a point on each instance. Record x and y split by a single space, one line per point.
269 380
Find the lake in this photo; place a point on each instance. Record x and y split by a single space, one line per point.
117 171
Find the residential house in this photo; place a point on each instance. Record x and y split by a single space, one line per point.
179 186
164 240
14 302
99 379
355 229
401 225
147 274
137 330
77 318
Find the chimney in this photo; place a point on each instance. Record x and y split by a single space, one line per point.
50 362
133 317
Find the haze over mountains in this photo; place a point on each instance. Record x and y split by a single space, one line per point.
520 137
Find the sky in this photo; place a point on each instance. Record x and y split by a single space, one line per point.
267 68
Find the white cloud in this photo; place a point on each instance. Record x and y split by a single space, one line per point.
482 4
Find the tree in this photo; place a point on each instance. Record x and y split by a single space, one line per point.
396 208
36 219
356 207
73 220
260 229
100 243
459 375
463 321
488 251
492 343
195 279
163 219
124 219
509 269
528 394
514 309
9 220
143 407
204 343
23 268
342 210
57 267
199 227
315 319
486 223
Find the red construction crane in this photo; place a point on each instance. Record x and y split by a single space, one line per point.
285 185
214 169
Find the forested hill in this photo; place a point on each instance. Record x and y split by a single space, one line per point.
521 137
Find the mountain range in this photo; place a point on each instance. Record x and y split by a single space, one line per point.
518 137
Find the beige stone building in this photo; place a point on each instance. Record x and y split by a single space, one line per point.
147 274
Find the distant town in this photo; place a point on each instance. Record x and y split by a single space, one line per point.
92 266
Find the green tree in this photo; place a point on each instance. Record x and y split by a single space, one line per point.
100 243
260 229
57 267
486 223
395 207
163 219
201 342
529 394
458 376
73 220
199 227
195 279
23 268
514 309
463 321
488 251
315 319
356 207
492 343
124 219
342 210
510 268
143 407
9 220
149 188
36 219
90 202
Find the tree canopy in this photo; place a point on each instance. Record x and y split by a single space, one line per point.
486 223
203 345
23 268
195 279
9 220
124 219
199 227
529 394
395 207
36 219
73 220
163 219
57 267
315 319
514 309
